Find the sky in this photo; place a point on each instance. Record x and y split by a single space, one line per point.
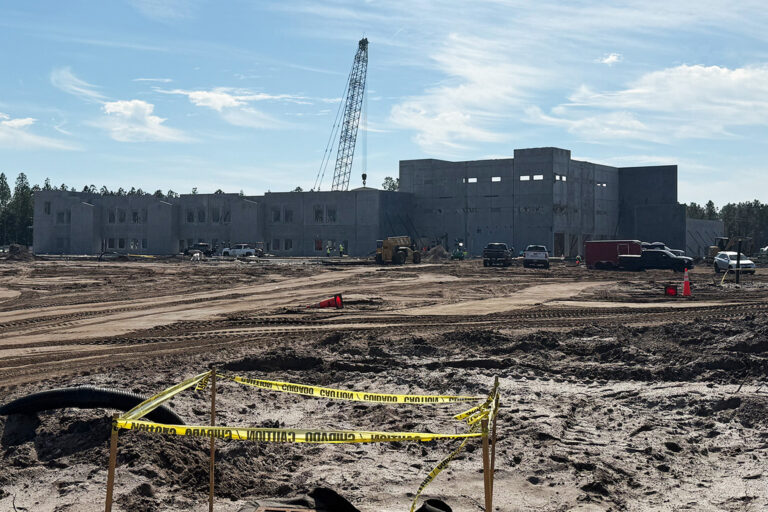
242 95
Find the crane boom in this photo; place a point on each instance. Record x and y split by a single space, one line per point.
351 120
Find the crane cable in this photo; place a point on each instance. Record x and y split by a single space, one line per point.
334 131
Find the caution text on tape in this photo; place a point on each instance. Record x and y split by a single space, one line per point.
284 435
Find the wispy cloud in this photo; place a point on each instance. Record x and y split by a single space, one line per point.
14 134
165 10
65 79
611 59
234 105
683 102
466 108
161 80
134 121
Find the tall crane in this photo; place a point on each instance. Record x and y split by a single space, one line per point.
353 105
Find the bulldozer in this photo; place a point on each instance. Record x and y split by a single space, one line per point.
396 250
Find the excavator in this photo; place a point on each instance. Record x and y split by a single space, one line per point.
727 243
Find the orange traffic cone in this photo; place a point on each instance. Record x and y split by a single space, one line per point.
334 302
686 285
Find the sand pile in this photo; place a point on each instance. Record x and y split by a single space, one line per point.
437 253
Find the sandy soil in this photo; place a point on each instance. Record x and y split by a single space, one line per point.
614 396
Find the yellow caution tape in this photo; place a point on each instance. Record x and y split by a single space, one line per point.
488 409
203 383
154 402
442 465
284 435
340 394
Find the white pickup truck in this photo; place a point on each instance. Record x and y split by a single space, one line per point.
535 256
242 250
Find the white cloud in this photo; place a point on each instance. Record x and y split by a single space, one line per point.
684 102
161 80
133 121
250 118
163 10
13 135
597 127
234 104
467 107
65 79
611 59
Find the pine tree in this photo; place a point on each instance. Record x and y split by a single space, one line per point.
21 208
5 198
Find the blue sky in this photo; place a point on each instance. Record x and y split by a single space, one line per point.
235 95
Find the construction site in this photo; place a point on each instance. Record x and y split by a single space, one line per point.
530 333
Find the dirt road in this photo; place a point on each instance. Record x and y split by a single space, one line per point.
615 397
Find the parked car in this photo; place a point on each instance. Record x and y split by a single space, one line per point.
727 260
655 259
536 256
497 254
242 250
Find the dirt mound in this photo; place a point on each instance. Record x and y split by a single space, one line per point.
18 252
276 361
437 253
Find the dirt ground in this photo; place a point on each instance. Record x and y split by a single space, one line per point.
614 397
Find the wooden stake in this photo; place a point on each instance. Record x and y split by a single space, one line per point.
486 468
112 463
493 446
213 439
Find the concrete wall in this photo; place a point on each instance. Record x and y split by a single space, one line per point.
700 234
469 201
82 223
533 182
541 196
218 219
648 207
306 223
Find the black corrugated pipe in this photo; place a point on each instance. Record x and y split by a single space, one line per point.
87 397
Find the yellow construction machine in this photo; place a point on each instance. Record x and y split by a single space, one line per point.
396 250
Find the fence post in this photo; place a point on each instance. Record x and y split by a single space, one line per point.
486 468
213 438
112 462
493 444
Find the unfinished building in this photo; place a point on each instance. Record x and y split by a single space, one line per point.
541 196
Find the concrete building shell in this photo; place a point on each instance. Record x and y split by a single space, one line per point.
541 196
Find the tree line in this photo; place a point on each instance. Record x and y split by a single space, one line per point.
746 219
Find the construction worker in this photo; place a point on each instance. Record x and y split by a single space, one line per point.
341 249
328 252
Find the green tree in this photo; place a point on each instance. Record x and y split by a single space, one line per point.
710 211
391 184
694 211
21 209
159 194
298 189
47 184
194 191
5 198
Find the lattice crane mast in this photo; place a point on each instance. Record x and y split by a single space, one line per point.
353 106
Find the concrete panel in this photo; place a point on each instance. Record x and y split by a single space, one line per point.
700 234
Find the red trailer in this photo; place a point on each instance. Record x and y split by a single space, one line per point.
604 254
